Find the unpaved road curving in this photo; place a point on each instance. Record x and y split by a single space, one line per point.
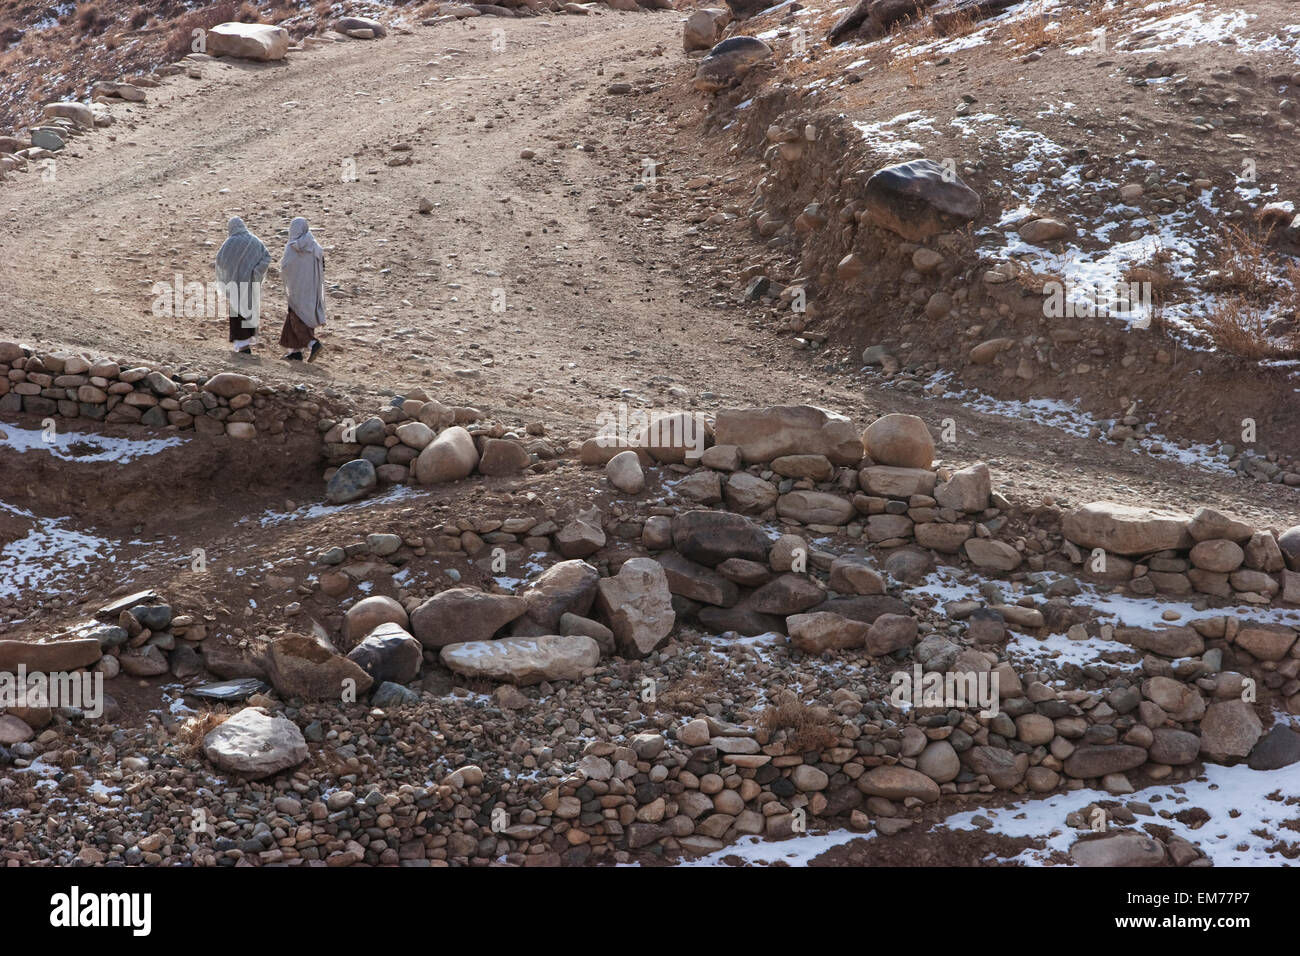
594 301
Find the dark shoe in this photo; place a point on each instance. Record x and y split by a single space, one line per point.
293 357
313 351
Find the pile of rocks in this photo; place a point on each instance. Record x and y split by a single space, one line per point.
808 467
73 386
583 772
65 121
421 440
1150 551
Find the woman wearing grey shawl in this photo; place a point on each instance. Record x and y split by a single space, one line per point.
303 271
242 262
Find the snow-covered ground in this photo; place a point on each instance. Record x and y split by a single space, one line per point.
1244 823
1069 418
82 446
318 510
1243 826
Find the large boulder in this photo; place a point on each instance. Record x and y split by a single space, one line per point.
900 440
389 653
230 384
524 660
368 613
353 480
711 537
1124 848
898 783
81 114
676 438
637 605
248 41
460 615
763 434
624 473
1172 642
697 582
874 18
1229 731
581 537
1098 760
967 489
449 457
991 553
820 632
1004 768
888 481
1266 642
48 656
1126 529
786 594
1208 524
120 91
350 25
1174 747
300 666
1289 542
891 632
501 456
920 199
1279 748
703 27
728 62
816 507
255 743
568 587
748 494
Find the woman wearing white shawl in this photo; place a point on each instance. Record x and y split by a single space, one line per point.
303 270
242 262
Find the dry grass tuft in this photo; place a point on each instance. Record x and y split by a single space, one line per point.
686 697
1242 264
806 728
191 733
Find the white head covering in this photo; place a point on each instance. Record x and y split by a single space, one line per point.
303 270
242 262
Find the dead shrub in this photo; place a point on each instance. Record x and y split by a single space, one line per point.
1237 326
1242 264
807 728
1154 269
189 736
89 19
686 697
1031 31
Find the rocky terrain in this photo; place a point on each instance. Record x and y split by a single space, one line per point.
699 470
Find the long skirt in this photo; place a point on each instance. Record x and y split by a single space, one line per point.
239 331
296 334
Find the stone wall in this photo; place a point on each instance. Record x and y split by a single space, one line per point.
66 385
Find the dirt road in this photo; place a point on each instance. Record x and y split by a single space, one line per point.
595 306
